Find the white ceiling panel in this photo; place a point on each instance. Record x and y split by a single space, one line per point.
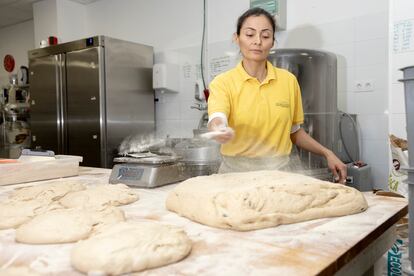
16 11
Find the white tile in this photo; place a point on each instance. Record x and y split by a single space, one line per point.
373 126
170 128
186 128
345 53
372 52
305 36
337 32
371 102
371 26
377 74
351 103
375 151
345 78
397 97
167 111
398 125
188 113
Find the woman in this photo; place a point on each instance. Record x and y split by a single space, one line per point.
262 104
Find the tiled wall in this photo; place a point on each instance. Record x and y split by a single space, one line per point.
401 11
174 115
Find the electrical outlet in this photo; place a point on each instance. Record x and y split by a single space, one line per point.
364 86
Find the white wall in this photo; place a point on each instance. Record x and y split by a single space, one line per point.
45 20
401 12
162 24
71 20
63 19
174 29
15 40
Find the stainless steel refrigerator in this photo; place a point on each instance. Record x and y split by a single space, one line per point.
88 95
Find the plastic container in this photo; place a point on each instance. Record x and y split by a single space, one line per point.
28 171
409 107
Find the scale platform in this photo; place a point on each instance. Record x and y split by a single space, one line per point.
148 172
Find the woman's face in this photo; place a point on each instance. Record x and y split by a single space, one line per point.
256 38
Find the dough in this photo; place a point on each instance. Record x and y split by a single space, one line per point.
66 225
254 200
130 246
102 195
49 191
17 271
14 213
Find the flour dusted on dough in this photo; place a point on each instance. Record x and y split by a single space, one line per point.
130 246
48 191
27 202
102 195
17 271
66 225
261 199
14 213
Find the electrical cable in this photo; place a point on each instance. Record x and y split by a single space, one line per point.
202 44
355 126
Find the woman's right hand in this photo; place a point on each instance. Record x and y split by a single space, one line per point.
223 133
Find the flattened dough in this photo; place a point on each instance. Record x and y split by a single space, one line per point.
254 200
48 191
14 213
18 271
66 225
102 195
130 246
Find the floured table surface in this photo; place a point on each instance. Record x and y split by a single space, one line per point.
307 248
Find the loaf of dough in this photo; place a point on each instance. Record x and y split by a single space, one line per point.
254 200
101 195
14 212
18 271
130 246
66 225
48 191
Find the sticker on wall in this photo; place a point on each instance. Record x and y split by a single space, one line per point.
187 71
9 63
403 40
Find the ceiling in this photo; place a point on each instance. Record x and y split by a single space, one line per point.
17 11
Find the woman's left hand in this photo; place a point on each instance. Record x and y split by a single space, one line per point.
338 168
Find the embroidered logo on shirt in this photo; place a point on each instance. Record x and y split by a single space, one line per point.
283 104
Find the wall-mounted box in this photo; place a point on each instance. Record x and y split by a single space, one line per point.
166 77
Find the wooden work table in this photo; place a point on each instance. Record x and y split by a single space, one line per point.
345 245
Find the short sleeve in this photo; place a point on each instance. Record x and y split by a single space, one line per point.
297 109
219 99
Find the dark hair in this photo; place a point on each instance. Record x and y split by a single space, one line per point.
255 12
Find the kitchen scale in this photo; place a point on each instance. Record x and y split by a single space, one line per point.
147 170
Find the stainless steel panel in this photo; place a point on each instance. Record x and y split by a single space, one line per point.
83 119
80 44
316 72
109 96
129 93
46 91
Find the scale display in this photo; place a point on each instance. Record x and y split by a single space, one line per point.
130 173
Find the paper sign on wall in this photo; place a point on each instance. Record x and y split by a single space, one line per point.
403 40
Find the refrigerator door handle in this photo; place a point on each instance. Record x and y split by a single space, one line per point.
61 103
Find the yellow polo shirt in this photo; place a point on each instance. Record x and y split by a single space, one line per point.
261 114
